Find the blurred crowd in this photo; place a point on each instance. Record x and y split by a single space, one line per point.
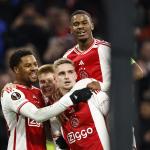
44 27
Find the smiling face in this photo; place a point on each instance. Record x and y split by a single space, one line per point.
46 81
26 71
65 77
81 27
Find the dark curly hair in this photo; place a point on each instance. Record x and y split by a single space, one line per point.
81 12
16 57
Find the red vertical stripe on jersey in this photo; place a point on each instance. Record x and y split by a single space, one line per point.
21 106
14 147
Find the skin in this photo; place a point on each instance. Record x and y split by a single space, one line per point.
26 71
46 81
47 86
94 86
65 77
137 72
81 27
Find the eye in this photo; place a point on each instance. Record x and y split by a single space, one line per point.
71 71
35 64
27 65
42 81
75 24
85 22
61 73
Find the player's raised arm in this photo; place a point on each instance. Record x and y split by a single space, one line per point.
104 52
102 101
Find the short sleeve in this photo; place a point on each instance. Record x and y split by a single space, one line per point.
13 100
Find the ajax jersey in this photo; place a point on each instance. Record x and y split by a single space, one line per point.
25 133
85 126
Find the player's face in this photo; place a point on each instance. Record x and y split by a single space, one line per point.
65 77
81 27
46 81
27 69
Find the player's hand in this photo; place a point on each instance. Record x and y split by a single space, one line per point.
94 86
61 143
81 95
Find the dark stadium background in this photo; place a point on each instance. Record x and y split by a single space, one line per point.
44 27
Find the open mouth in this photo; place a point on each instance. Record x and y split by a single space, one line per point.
67 82
48 88
33 75
81 33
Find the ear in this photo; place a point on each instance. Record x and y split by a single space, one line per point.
16 70
76 76
92 26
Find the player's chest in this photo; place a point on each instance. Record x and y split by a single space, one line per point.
87 59
34 97
78 115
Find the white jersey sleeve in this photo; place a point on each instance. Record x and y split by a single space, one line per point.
105 63
13 100
100 100
48 112
16 101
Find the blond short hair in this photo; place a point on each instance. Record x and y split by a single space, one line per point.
62 61
48 68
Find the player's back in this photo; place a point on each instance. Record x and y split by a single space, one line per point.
25 133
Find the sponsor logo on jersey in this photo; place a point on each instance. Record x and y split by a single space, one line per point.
79 135
33 123
15 96
74 121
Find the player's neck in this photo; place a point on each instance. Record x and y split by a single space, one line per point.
84 45
23 83
63 91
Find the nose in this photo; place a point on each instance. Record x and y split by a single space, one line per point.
66 75
80 25
33 67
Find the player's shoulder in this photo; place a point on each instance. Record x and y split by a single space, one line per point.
11 93
36 90
7 90
99 42
69 51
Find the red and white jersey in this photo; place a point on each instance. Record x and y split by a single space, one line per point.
93 62
25 133
85 127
